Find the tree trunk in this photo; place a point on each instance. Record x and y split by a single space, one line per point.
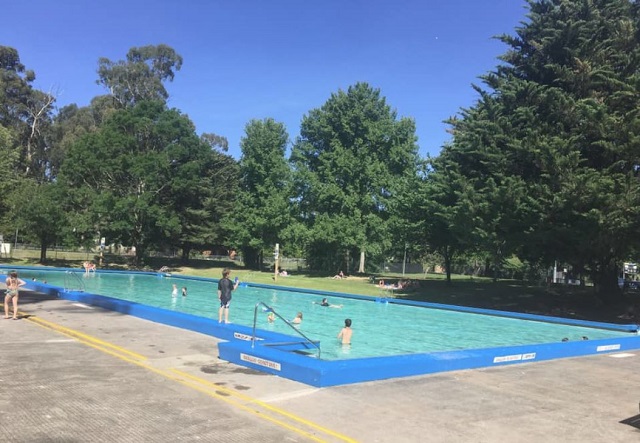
43 252
347 264
138 257
361 267
251 258
605 281
186 250
447 265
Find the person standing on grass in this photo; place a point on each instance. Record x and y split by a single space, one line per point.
13 289
225 287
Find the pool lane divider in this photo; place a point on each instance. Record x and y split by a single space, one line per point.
265 411
322 373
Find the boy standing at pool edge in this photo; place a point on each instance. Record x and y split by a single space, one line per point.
225 287
345 333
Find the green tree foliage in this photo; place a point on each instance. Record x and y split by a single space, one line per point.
9 157
26 111
436 207
72 123
9 164
348 162
261 211
36 211
492 164
15 87
206 200
552 152
141 76
141 178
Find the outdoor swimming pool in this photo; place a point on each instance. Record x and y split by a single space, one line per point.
380 329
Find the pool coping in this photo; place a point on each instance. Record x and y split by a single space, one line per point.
289 362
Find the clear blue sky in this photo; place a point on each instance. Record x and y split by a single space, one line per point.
254 59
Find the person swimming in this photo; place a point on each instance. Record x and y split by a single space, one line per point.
326 304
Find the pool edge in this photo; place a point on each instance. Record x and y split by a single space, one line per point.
239 348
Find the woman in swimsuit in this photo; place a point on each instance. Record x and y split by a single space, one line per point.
13 285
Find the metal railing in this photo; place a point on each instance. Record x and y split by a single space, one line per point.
270 309
71 277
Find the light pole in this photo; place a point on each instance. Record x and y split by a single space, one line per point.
404 260
102 244
276 256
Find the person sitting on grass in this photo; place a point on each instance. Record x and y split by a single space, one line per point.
339 276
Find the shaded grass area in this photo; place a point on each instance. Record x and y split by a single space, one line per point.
506 295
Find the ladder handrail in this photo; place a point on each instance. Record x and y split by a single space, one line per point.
67 283
270 309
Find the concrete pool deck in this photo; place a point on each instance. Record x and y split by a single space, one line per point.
70 373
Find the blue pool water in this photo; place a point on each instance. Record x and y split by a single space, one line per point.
380 329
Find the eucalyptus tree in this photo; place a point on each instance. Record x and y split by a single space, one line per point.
9 158
261 210
348 161
27 111
72 123
9 164
141 76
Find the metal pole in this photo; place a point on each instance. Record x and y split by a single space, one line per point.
276 255
404 260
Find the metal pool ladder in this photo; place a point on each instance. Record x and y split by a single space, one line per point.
270 309
72 282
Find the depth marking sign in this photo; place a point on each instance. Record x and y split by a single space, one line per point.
514 357
608 348
260 361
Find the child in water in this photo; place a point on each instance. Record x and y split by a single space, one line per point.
298 319
345 333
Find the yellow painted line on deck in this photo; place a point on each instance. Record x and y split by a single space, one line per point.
87 339
264 405
225 394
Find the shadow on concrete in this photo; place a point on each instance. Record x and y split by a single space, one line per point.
632 421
